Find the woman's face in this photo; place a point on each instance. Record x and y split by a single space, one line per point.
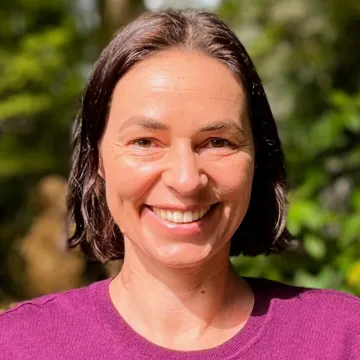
177 157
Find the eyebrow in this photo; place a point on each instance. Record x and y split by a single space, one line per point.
147 123
223 125
152 124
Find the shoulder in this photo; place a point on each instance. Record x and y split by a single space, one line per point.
319 308
53 326
307 322
304 297
45 305
42 315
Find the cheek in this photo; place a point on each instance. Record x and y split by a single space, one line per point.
236 194
234 178
126 183
128 179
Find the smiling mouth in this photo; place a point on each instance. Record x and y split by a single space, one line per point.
181 216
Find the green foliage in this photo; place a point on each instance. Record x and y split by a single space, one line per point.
41 62
306 52
306 56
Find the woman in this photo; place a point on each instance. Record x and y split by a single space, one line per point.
177 165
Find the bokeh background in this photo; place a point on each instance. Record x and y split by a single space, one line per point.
307 54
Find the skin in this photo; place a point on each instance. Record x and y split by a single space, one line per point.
160 148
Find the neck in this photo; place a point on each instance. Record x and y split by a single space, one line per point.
186 304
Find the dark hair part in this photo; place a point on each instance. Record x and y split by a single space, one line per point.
263 229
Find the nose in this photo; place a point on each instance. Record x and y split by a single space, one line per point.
182 171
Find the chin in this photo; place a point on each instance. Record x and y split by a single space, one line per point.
183 254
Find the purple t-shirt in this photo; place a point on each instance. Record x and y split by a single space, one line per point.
286 323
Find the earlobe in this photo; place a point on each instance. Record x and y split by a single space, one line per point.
100 173
101 169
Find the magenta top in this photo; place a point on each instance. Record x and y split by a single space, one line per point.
286 323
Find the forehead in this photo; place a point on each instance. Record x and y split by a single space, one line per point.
178 81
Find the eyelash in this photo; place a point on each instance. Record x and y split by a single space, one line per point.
136 141
229 144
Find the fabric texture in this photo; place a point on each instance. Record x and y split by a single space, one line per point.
286 323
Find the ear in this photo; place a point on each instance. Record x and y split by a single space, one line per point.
101 171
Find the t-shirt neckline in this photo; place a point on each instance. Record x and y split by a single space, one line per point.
125 335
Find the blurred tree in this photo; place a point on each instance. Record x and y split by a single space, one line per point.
42 67
49 266
116 13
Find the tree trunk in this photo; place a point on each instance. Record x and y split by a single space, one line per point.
115 14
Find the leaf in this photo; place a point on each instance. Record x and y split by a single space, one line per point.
315 246
353 276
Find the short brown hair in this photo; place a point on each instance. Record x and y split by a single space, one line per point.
263 229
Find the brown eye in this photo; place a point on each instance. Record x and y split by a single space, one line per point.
143 143
219 143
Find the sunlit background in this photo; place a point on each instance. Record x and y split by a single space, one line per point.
306 52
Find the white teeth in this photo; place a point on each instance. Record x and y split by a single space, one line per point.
169 216
180 216
177 217
187 217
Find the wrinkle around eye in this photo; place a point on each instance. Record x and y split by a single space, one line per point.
238 149
116 150
119 150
